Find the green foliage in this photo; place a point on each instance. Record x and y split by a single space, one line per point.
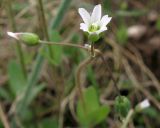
16 78
17 85
5 94
39 59
130 13
151 112
1 125
122 106
29 57
49 123
60 14
57 50
107 5
18 6
121 35
34 92
124 5
27 115
91 113
91 76
72 52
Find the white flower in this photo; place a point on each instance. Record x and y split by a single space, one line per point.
144 104
94 24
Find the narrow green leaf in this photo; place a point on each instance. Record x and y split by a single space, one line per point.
57 50
131 13
16 79
34 92
60 14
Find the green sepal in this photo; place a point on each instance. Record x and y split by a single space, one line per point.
93 37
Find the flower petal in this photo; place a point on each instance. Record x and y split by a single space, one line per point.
84 27
11 34
96 14
85 15
101 30
105 20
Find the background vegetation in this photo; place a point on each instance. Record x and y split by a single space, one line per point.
37 83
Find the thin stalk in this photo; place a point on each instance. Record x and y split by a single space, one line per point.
128 118
62 44
44 25
18 45
92 50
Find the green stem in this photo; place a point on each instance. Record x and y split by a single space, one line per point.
92 50
62 44
44 25
18 45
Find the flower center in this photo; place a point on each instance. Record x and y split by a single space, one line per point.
93 27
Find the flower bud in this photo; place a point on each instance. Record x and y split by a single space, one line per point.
26 38
122 106
142 105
